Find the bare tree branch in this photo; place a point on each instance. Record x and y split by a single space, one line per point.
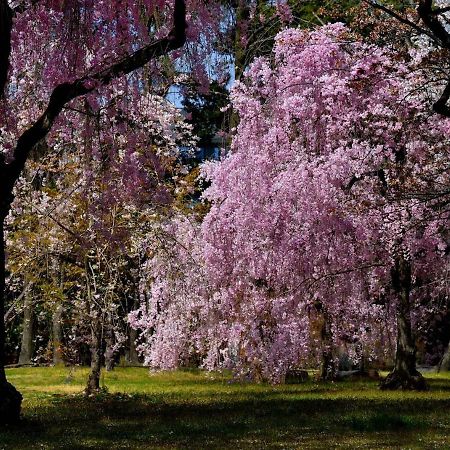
16 302
377 5
441 10
440 106
435 29
379 173
430 19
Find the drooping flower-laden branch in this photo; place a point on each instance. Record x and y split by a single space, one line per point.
121 59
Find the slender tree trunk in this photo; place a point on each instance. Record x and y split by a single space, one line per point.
405 374
109 352
445 361
27 347
57 335
10 398
133 356
93 384
57 317
328 370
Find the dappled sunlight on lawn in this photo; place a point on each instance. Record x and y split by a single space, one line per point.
200 410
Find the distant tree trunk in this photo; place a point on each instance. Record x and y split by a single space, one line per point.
328 370
405 374
445 361
10 398
133 356
57 335
27 347
109 352
243 15
93 384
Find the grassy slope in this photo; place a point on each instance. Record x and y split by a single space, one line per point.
198 410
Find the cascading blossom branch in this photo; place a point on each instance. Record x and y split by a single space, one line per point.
332 175
173 290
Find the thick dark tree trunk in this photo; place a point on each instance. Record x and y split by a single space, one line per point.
27 347
57 335
405 374
93 384
10 398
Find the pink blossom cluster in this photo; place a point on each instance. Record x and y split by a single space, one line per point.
336 169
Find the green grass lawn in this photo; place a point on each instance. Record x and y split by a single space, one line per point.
197 410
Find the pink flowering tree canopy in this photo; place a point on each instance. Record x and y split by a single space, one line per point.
326 218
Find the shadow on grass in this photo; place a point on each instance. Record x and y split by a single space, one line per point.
262 421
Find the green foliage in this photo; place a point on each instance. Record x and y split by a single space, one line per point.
204 110
199 410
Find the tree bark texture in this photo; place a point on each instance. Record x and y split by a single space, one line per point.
133 356
93 384
328 369
27 344
405 374
57 333
10 398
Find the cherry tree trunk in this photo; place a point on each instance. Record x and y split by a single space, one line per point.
133 356
328 370
405 374
10 398
109 352
27 347
93 384
57 335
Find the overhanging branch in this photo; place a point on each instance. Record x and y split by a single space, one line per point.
66 92
440 106
432 22
379 173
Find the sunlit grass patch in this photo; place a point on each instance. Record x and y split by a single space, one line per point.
194 409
